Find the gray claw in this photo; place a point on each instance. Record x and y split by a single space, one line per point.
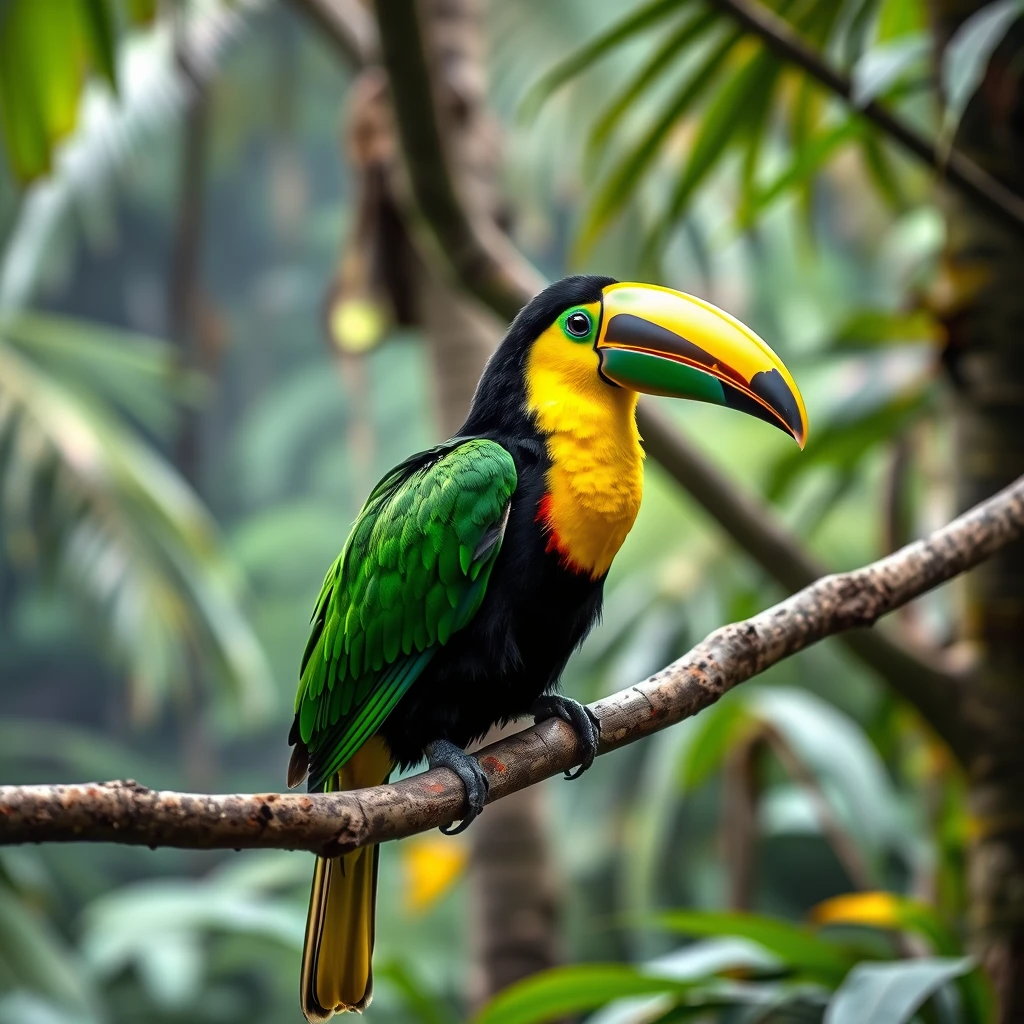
443 754
578 717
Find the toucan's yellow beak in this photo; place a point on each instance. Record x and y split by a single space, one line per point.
664 342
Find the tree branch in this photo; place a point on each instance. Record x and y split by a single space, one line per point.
333 823
958 170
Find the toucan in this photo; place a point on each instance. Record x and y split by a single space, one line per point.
476 568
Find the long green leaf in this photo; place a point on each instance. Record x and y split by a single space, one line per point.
845 442
619 184
729 112
571 990
98 24
77 484
662 59
798 947
807 161
638 21
891 993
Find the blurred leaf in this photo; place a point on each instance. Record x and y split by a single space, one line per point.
33 958
797 947
98 22
152 92
729 111
836 749
421 1004
136 373
20 1007
79 491
80 753
661 60
45 51
843 443
636 22
159 928
717 729
807 161
867 328
898 18
885 64
967 54
140 12
881 169
620 183
571 990
891 993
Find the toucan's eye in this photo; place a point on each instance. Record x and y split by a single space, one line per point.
578 324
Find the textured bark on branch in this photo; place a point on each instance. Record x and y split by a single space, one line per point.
330 824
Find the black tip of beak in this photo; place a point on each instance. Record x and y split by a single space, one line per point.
772 389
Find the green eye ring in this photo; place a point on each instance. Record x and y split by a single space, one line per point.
577 324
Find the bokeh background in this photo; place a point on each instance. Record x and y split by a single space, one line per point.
220 324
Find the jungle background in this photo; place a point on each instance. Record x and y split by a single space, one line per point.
222 318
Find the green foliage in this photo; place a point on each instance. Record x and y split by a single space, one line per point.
569 990
891 993
91 501
46 49
803 968
740 100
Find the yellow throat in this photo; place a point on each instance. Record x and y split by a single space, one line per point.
595 481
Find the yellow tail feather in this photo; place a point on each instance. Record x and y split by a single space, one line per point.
336 956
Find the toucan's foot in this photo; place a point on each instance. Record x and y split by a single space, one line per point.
582 720
443 754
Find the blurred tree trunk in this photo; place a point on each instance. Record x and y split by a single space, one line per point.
983 308
514 898
514 904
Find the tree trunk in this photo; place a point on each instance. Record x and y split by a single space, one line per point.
514 901
984 314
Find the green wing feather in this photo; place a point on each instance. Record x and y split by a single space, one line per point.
414 571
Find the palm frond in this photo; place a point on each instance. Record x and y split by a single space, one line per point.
152 93
85 498
736 98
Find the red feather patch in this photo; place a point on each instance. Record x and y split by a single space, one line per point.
555 543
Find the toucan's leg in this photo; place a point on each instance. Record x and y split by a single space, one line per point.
443 754
582 720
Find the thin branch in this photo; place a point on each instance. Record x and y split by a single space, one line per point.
914 672
330 824
958 170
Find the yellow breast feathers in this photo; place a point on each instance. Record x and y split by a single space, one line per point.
595 481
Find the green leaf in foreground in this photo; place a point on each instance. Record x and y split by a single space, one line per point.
891 993
798 947
571 990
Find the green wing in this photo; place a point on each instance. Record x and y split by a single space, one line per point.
414 570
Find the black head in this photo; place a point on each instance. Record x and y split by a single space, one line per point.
600 341
501 394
